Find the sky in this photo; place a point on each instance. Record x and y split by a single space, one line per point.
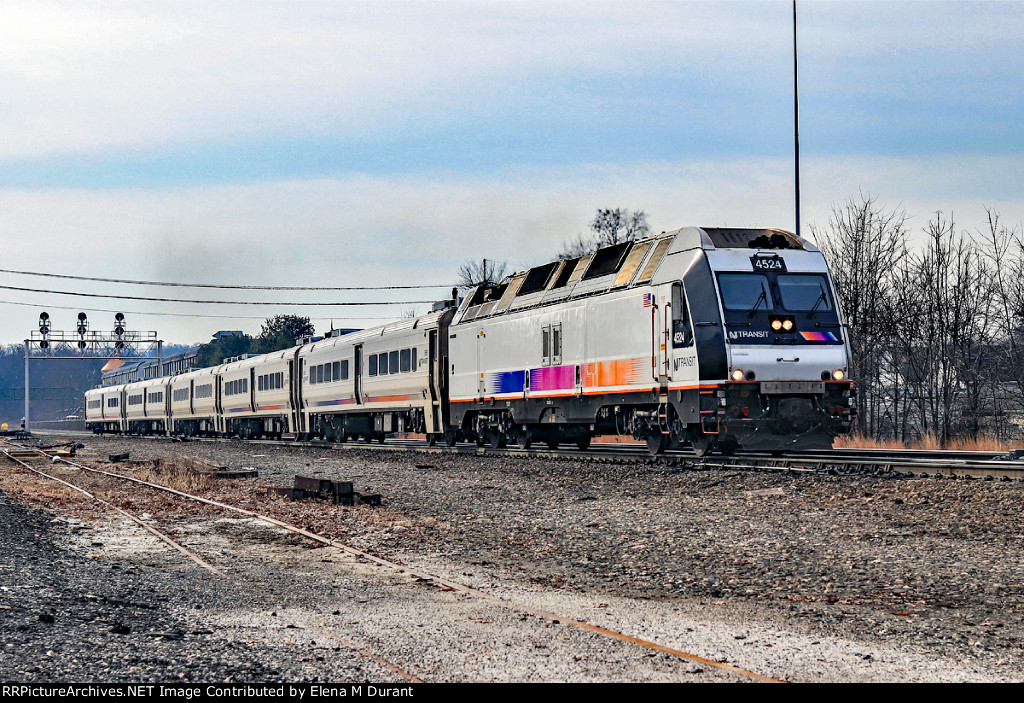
385 143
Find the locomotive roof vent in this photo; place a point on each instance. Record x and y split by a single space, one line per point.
725 238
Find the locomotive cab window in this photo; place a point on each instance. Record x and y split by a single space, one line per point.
682 335
804 292
748 292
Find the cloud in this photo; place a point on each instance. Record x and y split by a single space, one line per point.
81 78
417 229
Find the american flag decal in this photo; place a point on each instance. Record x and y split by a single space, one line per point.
648 300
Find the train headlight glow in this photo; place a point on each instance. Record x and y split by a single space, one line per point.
776 325
787 325
737 374
838 375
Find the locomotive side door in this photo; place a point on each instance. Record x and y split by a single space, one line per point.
660 311
682 354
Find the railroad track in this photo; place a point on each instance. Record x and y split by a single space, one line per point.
886 462
16 453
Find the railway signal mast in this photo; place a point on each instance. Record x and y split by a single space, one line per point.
80 343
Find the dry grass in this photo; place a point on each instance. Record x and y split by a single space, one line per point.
929 441
178 477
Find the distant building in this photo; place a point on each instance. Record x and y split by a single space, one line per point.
132 370
227 333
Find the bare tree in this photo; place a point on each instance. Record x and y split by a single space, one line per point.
607 228
473 273
863 243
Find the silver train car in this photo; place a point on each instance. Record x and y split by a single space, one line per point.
717 339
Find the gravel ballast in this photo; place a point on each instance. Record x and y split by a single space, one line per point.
799 577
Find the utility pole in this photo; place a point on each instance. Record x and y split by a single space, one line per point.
796 125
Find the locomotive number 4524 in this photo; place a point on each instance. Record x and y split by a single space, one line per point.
768 263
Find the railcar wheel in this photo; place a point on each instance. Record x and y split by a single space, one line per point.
496 439
450 438
552 444
656 442
701 444
524 439
728 446
431 439
367 439
583 444
380 439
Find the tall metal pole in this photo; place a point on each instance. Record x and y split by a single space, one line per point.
796 125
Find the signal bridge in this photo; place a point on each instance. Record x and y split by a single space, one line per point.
80 343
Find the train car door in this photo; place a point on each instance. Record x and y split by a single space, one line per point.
296 392
434 421
252 389
167 407
218 402
122 410
358 374
657 347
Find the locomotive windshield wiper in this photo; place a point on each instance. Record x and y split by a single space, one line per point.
821 299
757 303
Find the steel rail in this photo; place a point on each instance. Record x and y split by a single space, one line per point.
918 462
454 585
181 548
176 545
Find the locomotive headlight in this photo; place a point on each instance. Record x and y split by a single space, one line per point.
737 374
838 374
776 324
787 325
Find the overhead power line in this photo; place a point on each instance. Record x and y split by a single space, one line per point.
219 302
190 314
219 285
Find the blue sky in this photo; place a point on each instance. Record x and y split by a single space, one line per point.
345 143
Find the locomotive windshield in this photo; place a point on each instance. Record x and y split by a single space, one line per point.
801 292
794 292
745 291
